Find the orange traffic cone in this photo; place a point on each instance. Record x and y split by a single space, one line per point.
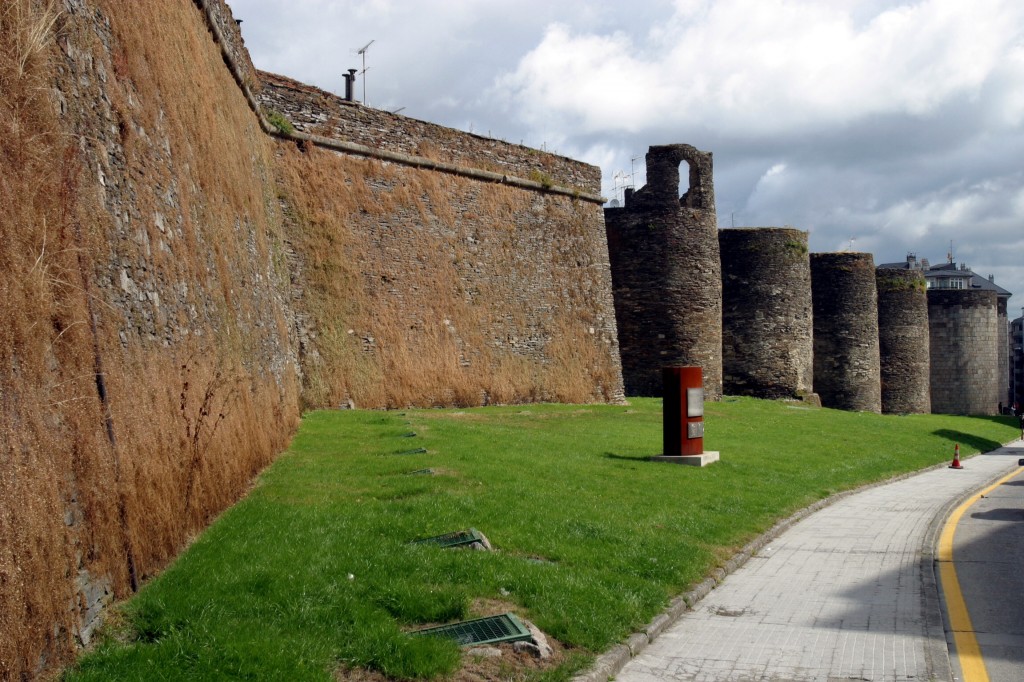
956 457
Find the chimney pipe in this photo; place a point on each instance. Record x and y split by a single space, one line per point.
350 82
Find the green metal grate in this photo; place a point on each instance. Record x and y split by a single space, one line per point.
420 471
459 537
490 630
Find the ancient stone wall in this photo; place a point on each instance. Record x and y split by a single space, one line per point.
767 327
666 273
162 290
456 290
222 22
964 333
318 112
903 341
424 288
156 362
1017 361
1003 349
846 362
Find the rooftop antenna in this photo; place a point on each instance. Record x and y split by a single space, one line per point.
632 170
620 183
362 51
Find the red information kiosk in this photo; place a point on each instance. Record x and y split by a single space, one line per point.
683 417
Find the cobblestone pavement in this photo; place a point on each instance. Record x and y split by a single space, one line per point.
848 593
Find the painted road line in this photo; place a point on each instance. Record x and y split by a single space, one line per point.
968 652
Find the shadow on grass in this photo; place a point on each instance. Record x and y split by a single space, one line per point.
628 458
976 442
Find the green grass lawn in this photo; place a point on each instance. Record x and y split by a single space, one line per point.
314 570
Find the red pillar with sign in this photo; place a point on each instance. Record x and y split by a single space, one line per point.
683 410
683 417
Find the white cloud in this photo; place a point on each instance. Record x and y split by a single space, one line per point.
767 66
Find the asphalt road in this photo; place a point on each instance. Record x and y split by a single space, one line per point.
988 553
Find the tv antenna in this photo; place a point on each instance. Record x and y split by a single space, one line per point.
621 183
362 52
632 170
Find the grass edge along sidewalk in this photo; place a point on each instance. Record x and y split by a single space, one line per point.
315 572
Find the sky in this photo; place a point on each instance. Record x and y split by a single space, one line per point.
877 125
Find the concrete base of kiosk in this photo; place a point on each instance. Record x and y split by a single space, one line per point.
701 460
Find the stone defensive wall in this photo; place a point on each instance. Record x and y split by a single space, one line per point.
1003 344
903 341
846 360
666 273
964 330
179 284
433 269
767 327
419 143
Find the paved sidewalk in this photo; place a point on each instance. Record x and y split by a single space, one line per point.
847 593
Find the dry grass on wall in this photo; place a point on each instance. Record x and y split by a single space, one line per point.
224 394
54 462
192 353
427 289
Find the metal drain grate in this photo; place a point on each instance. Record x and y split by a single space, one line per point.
414 451
459 537
419 471
490 630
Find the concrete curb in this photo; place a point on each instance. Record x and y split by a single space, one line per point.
608 664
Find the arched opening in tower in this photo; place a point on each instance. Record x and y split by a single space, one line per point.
686 178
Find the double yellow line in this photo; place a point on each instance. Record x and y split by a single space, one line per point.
971 663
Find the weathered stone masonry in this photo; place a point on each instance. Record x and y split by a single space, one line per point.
963 339
846 362
767 328
666 273
533 280
187 268
903 341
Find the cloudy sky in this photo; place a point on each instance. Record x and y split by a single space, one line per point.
883 125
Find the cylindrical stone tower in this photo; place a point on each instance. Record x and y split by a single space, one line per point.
1003 349
964 364
767 328
903 341
666 273
846 365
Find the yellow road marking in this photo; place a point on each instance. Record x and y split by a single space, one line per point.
968 652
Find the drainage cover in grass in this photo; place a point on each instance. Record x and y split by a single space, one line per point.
490 630
414 451
459 537
411 434
420 471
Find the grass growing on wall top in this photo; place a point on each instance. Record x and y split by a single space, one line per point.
592 539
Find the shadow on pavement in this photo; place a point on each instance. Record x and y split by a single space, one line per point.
989 577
